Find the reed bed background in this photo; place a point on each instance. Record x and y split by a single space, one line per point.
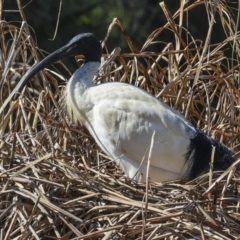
55 183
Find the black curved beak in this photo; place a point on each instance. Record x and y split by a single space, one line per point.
61 53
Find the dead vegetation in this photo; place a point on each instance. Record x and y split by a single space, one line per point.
55 183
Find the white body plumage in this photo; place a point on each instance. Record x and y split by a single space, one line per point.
122 119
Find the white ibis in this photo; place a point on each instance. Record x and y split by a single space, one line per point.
124 119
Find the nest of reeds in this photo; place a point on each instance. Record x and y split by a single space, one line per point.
55 183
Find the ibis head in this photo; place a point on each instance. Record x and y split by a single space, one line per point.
85 44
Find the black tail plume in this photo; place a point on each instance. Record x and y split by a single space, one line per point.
199 153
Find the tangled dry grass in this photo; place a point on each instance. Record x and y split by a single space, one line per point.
55 183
